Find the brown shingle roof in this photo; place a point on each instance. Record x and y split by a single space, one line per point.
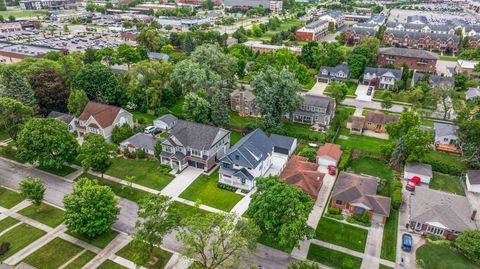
304 174
332 150
357 121
104 114
378 117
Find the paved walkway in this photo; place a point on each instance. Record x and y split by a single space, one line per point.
181 182
242 206
373 247
109 251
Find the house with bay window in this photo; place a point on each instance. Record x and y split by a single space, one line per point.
315 109
440 213
98 118
249 158
194 144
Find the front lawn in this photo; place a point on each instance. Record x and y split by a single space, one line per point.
384 267
44 213
53 255
61 172
332 258
186 211
360 142
20 237
81 260
341 234
100 241
442 257
163 256
389 242
8 198
374 167
352 87
268 241
7 223
108 264
448 183
205 189
148 173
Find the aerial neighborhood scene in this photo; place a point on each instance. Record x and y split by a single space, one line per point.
267 134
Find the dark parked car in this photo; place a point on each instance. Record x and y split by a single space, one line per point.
407 242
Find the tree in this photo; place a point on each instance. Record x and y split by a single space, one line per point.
77 100
469 135
211 57
218 240
417 143
128 55
107 55
387 100
50 91
90 56
444 93
461 81
156 218
188 43
13 85
368 48
468 242
476 68
276 94
94 153
196 108
157 149
407 121
11 18
337 90
219 108
46 141
399 154
309 153
120 133
99 83
13 115
357 64
90 209
256 30
281 211
33 190
150 38
190 76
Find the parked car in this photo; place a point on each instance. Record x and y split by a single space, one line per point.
149 129
332 170
414 181
407 242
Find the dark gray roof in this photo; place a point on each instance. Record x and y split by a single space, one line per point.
317 101
332 70
67 118
196 135
281 141
168 119
472 93
420 27
434 80
335 14
377 19
418 35
474 176
388 72
417 18
419 168
140 140
472 27
412 53
442 129
315 24
251 150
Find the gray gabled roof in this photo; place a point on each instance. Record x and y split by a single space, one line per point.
318 101
419 168
281 141
442 129
332 70
433 80
250 151
335 14
377 19
472 93
418 35
67 118
473 176
196 135
411 53
315 24
379 71
417 18
168 119
140 140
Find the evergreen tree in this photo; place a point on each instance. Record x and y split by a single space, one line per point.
188 44
219 109
14 86
399 154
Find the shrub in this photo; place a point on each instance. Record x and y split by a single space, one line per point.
226 187
141 120
397 198
451 168
4 247
334 211
338 217
398 184
161 111
309 153
141 154
347 153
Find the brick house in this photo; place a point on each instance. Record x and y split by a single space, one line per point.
243 102
357 195
445 43
414 58
373 121
313 31
355 35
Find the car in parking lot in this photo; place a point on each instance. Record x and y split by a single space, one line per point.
407 242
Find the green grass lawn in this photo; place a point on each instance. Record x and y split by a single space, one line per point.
205 189
3 135
333 258
145 117
108 264
8 198
448 58
44 213
442 257
62 171
266 240
384 267
20 237
402 96
234 137
361 142
22 13
341 234
100 241
444 182
7 223
389 242
81 260
53 255
444 157
163 256
186 211
146 172
177 108
352 87
9 153
374 167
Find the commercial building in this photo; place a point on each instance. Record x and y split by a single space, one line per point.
313 31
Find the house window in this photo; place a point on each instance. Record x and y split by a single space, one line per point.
226 165
359 210
435 230
418 226
338 202
167 149
243 181
196 152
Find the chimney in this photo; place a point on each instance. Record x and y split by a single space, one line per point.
474 214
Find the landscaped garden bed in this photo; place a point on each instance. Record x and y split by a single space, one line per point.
64 170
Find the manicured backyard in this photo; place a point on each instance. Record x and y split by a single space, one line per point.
44 213
19 237
389 241
146 172
435 256
143 117
234 137
448 183
374 167
7 223
205 190
341 234
333 258
163 256
8 198
53 255
81 260
100 241
360 142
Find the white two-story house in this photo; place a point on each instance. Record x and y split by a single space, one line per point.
339 73
194 144
249 158
384 78
100 119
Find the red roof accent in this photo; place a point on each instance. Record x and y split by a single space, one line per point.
104 114
304 174
332 150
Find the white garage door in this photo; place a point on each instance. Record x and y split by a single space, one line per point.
326 162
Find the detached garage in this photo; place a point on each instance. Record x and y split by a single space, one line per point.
473 181
283 144
329 154
421 170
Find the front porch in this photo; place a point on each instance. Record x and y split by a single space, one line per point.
236 182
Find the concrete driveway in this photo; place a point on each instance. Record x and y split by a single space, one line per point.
361 93
278 163
318 88
373 247
181 182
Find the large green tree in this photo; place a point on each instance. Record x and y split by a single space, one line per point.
77 100
337 90
407 121
468 120
276 94
33 190
218 240
281 211
150 38
120 133
211 57
46 141
13 115
50 91
91 209
468 242
417 143
95 153
13 85
196 108
99 83
219 108
189 76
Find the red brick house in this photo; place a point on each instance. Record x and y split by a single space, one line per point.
355 35
357 195
304 174
313 31
445 43
414 58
